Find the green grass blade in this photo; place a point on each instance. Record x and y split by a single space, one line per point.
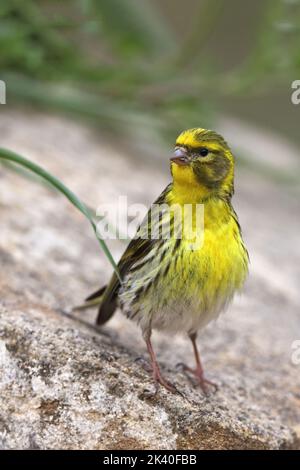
56 183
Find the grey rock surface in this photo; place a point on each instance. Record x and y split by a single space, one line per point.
64 384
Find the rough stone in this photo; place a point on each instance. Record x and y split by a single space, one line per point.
64 384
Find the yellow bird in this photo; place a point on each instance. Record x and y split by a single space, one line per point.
178 280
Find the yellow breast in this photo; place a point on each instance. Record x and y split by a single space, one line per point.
217 268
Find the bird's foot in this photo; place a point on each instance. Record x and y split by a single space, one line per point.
160 380
198 378
157 378
156 373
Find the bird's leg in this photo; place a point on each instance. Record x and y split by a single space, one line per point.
157 375
198 372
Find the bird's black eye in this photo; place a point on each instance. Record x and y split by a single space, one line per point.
203 152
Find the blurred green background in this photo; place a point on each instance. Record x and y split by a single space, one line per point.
143 70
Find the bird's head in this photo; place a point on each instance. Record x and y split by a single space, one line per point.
203 163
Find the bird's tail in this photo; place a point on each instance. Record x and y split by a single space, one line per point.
93 300
105 298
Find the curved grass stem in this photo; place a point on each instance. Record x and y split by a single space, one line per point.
10 156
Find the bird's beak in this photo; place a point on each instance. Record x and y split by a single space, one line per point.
180 157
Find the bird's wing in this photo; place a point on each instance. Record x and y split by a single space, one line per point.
138 249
